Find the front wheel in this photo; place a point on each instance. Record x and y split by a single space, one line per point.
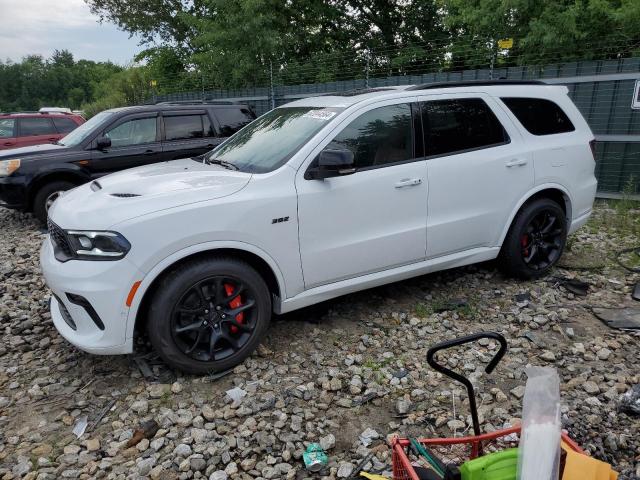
48 194
535 240
209 314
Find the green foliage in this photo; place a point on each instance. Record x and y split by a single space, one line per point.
209 44
59 81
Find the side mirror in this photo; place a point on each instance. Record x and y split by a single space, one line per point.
103 143
332 163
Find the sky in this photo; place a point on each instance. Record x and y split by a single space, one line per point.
42 26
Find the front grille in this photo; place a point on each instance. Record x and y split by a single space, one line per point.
59 239
66 316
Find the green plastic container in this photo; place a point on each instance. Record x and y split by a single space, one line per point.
501 465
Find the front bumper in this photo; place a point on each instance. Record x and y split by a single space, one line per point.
105 286
13 193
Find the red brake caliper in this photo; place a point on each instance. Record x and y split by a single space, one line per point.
235 303
524 241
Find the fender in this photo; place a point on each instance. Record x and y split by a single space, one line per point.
179 255
527 196
67 169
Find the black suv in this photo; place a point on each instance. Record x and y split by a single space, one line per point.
31 178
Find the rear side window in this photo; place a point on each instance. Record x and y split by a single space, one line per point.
456 125
233 119
6 127
378 137
64 125
183 127
30 126
539 116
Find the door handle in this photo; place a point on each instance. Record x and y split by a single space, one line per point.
8 144
149 152
408 182
517 162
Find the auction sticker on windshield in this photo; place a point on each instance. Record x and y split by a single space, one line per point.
320 114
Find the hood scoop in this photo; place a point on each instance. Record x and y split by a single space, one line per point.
125 195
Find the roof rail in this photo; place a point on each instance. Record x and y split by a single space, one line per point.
198 102
474 83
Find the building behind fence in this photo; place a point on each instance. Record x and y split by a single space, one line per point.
606 92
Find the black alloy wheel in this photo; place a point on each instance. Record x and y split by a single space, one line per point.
208 314
543 240
214 318
535 240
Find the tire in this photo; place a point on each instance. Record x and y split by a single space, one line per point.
527 232
42 197
187 310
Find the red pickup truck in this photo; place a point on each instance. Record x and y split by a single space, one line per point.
35 128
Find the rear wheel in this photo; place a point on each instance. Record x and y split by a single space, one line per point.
48 194
209 314
535 240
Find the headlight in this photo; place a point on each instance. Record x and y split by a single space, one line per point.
7 167
91 245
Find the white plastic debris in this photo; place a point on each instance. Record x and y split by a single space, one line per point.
539 455
236 394
80 426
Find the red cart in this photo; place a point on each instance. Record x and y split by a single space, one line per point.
456 451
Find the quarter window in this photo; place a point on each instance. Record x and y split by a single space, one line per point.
233 119
31 126
380 136
133 132
64 125
183 127
6 127
539 116
457 125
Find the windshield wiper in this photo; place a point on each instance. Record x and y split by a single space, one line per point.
222 163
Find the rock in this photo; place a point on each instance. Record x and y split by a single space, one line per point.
208 412
548 356
219 475
603 354
176 387
141 407
198 464
344 470
231 469
328 442
157 390
182 450
455 425
21 469
145 466
93 444
591 387
518 391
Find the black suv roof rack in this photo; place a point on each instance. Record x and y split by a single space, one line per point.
474 83
198 102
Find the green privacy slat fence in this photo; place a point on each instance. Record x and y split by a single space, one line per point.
595 86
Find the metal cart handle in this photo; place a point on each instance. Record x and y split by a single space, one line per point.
461 378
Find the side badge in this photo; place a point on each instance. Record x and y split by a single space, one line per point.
280 220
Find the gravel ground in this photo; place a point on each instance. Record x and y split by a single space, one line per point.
345 373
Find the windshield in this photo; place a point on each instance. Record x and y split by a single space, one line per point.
268 142
77 136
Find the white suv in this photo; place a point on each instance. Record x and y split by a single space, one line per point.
318 198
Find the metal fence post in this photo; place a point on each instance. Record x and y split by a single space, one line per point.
366 71
273 96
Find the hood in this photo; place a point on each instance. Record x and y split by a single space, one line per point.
143 190
33 150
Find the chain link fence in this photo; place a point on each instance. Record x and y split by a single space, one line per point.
605 90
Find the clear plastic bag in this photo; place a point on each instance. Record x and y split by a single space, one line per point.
539 450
